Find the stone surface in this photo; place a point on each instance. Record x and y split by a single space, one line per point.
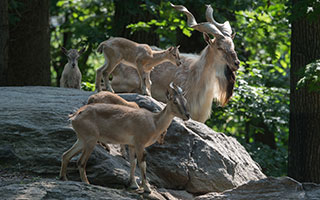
270 188
34 132
53 189
178 194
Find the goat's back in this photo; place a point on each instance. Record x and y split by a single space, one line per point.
110 98
123 49
110 119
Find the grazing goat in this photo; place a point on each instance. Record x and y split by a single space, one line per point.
118 124
71 75
141 56
204 78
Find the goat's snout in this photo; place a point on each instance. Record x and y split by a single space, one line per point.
73 64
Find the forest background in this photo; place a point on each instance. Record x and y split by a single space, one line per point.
259 111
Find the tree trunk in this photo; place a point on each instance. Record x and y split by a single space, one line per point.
29 46
129 12
4 41
304 137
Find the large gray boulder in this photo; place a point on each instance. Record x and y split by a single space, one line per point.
34 132
270 188
53 189
283 188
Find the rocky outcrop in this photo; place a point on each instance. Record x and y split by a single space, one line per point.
34 132
283 188
270 188
53 189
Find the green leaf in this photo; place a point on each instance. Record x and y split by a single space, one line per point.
60 3
186 32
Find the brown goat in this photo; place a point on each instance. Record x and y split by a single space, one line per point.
118 124
111 98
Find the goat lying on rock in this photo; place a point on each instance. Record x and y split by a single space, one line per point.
118 124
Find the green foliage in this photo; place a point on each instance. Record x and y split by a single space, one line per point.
307 9
251 106
264 40
87 86
273 162
311 77
75 24
165 26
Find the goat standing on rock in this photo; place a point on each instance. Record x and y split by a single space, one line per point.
140 56
118 124
71 75
111 98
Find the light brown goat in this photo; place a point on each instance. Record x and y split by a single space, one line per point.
117 124
140 56
111 98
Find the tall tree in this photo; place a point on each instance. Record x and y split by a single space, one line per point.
4 40
304 136
29 46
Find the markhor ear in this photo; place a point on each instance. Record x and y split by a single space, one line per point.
170 48
64 50
207 38
233 35
82 50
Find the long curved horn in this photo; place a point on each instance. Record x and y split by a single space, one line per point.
225 28
206 27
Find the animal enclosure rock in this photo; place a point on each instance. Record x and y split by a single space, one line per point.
269 188
34 129
53 189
